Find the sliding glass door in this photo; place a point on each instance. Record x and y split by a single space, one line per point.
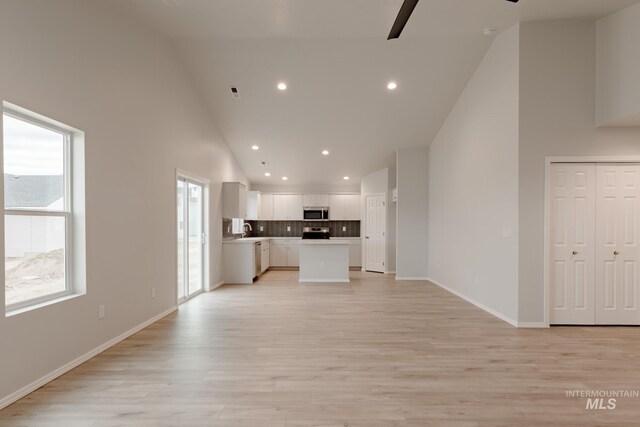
191 238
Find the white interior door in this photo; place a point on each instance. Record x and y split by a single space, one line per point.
191 238
618 217
375 231
572 266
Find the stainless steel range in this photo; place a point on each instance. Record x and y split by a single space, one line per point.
315 233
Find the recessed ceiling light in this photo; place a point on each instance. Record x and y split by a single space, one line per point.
392 85
255 147
284 178
267 174
325 152
346 178
282 86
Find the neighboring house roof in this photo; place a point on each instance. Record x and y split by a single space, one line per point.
32 191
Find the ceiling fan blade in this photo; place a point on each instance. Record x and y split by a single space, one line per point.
403 16
405 13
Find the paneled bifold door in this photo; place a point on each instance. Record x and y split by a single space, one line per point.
595 226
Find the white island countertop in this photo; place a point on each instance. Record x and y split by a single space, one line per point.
323 242
247 240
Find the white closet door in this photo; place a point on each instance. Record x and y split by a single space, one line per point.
375 229
572 268
617 236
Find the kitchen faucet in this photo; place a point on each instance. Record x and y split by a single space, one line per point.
246 224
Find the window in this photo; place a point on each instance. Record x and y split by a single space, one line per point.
37 210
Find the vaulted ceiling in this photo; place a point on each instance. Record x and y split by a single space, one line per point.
336 62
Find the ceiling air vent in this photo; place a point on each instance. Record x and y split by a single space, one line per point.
234 92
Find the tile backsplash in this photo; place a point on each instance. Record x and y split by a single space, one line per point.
279 228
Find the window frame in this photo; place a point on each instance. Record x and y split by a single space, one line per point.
66 213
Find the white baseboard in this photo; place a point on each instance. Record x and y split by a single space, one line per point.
390 272
533 325
323 281
477 304
411 278
216 286
19 394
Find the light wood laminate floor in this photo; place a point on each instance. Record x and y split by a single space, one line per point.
372 353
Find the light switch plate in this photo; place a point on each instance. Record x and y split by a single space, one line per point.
288 228
261 228
344 228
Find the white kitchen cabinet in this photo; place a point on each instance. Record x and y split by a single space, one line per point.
254 203
355 253
280 207
266 208
353 208
234 200
285 253
265 258
344 207
293 254
336 207
315 200
287 207
278 253
295 207
238 260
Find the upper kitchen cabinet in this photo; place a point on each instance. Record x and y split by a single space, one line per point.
344 207
234 200
315 200
266 208
353 207
287 207
254 204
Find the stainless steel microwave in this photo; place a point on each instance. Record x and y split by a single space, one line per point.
316 214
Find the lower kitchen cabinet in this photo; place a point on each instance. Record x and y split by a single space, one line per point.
355 253
265 258
285 253
238 262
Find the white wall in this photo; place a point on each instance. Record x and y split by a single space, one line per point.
392 222
618 68
473 185
80 64
557 109
382 182
412 213
347 188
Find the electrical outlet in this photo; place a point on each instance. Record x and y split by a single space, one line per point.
288 228
261 228
344 228
101 312
153 292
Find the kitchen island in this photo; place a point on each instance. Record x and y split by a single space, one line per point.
324 261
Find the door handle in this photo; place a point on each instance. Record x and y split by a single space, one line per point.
616 253
574 253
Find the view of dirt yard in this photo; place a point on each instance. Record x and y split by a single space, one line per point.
35 275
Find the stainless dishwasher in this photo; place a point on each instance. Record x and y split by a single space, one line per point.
257 246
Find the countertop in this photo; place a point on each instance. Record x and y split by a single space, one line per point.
335 240
247 240
323 242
